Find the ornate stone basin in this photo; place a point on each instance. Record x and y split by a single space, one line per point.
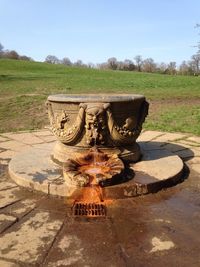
110 122
96 143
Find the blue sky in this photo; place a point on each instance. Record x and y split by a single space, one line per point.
94 30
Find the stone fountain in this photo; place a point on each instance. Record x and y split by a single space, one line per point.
96 146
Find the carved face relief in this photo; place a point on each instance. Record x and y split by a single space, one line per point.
95 123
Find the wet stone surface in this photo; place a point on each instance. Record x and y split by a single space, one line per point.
159 229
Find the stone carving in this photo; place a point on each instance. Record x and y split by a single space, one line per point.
127 133
67 135
92 167
111 122
95 123
99 122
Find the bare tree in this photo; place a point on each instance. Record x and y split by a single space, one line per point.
1 47
138 60
11 54
102 66
52 59
78 63
196 63
91 65
148 65
25 58
112 63
184 68
198 43
66 61
162 67
1 50
120 65
129 65
171 68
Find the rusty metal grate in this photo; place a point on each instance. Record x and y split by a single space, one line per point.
81 209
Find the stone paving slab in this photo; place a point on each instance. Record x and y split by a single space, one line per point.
28 241
9 196
186 153
33 169
21 208
195 160
6 185
174 147
147 136
188 143
8 264
195 139
170 137
25 138
46 146
6 221
7 155
48 138
159 164
43 133
196 167
147 146
76 246
13 145
2 139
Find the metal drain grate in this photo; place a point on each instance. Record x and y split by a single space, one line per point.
89 209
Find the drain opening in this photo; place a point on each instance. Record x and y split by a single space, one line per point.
89 209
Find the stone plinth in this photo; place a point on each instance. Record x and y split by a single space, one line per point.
35 170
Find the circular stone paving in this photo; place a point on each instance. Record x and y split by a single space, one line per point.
35 170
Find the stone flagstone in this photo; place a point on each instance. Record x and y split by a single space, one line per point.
8 264
13 145
25 138
6 221
6 185
170 137
147 136
75 246
3 139
28 241
195 139
43 133
9 196
21 208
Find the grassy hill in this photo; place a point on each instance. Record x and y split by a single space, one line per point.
24 87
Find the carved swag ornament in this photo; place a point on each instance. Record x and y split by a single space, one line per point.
97 122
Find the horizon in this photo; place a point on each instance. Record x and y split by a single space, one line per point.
94 31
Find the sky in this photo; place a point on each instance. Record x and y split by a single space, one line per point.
95 30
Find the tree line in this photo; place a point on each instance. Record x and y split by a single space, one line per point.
190 67
12 54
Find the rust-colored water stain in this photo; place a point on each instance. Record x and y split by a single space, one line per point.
94 163
97 166
91 194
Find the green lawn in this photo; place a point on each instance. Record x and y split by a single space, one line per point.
24 87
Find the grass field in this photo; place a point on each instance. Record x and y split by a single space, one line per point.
24 87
